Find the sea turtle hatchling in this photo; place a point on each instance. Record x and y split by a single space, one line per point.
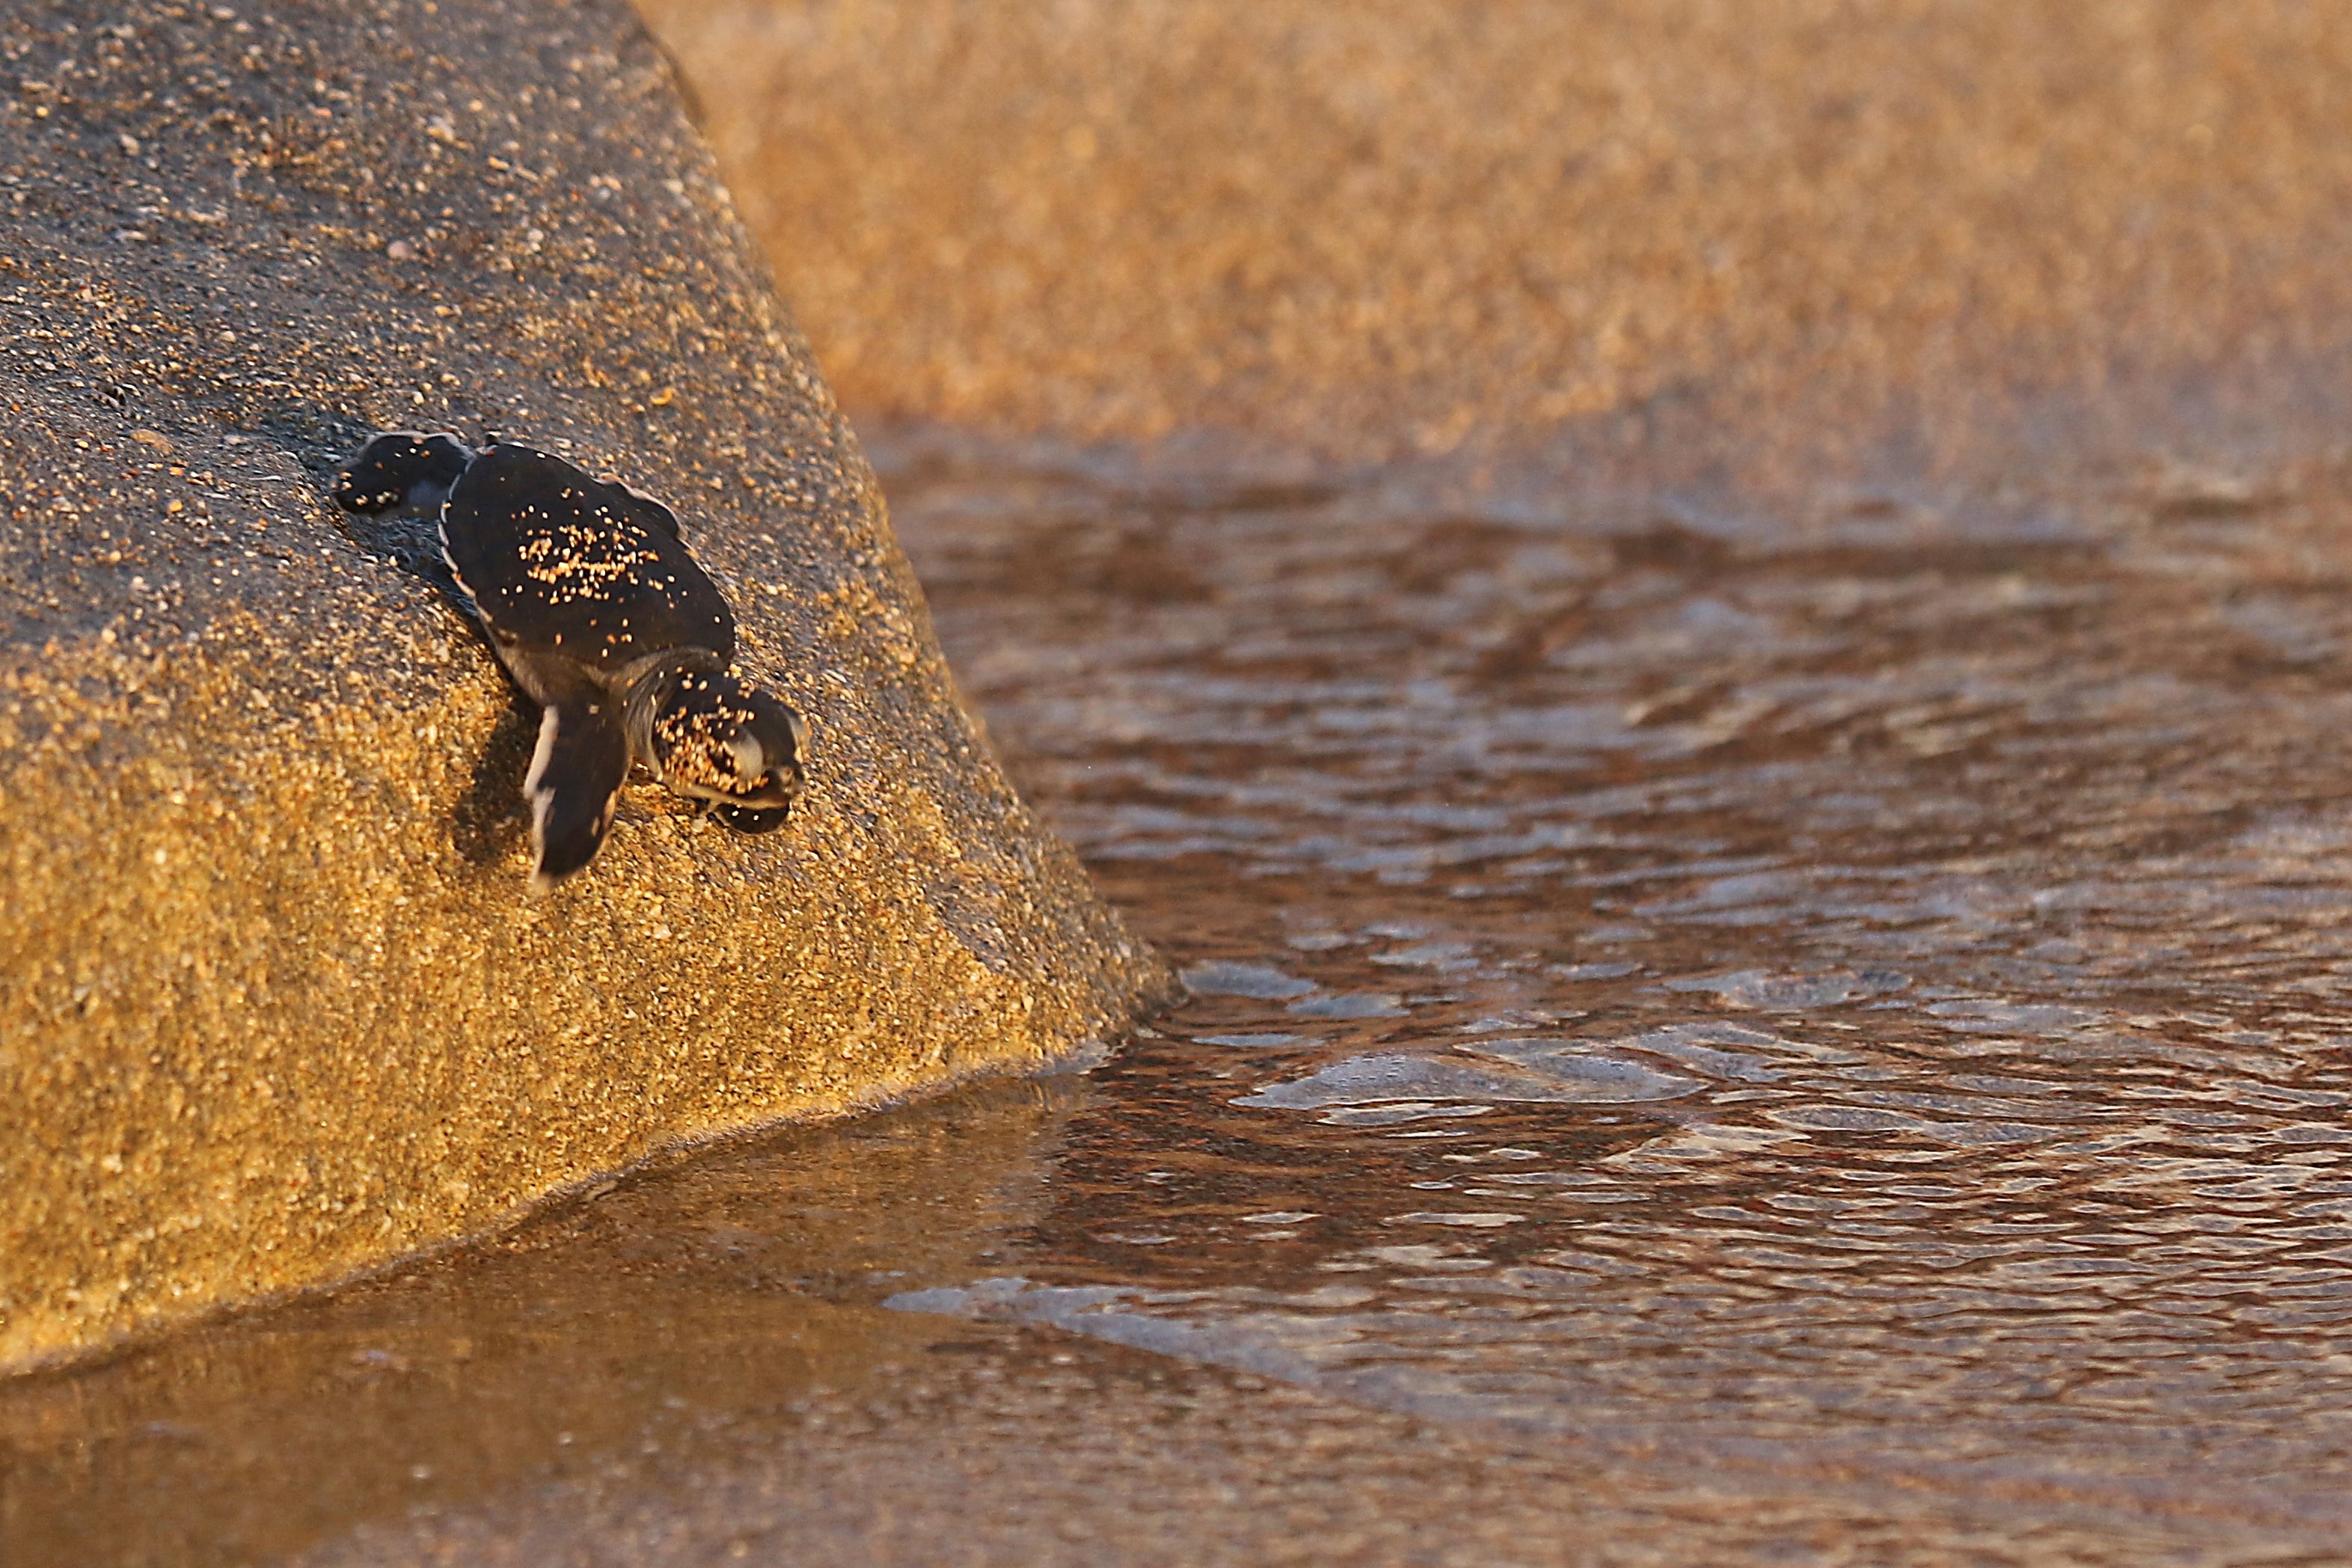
588 597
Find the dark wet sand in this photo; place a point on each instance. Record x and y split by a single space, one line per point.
694 1370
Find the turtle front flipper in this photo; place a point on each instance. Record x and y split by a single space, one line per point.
574 783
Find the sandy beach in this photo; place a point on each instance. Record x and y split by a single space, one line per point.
1403 226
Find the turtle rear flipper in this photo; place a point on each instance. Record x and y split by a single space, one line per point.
574 783
402 471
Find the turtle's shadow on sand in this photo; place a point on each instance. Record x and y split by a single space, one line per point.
487 823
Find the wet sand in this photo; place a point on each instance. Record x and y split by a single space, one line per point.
695 1370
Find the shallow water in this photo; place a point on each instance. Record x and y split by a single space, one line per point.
1717 1036
1859 993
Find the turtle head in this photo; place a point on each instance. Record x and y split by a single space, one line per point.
714 738
402 471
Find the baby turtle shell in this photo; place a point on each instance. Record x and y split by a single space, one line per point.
563 566
590 600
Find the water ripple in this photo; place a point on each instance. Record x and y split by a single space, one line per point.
1871 1000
